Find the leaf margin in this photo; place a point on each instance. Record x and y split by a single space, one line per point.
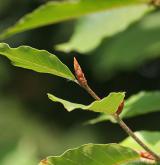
69 106
48 160
13 29
20 62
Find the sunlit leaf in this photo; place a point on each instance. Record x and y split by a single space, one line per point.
94 154
53 12
151 139
37 60
138 104
107 105
96 27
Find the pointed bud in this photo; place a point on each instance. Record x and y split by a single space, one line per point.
79 73
120 108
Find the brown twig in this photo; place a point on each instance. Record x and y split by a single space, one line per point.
130 132
83 83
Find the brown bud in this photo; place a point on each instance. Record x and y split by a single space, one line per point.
79 73
44 162
146 155
120 108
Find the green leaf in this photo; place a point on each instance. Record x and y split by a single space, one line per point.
53 12
142 163
94 154
96 27
142 103
140 41
138 104
108 105
151 139
24 154
37 60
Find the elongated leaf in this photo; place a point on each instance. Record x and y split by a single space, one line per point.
37 60
152 139
107 105
53 12
96 27
94 154
138 104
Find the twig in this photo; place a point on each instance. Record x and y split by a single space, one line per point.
130 132
83 83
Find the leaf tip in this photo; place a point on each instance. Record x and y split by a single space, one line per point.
3 46
49 95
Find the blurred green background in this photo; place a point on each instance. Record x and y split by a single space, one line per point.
31 126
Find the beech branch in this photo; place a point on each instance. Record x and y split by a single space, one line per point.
82 81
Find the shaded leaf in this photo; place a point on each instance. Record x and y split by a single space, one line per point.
37 60
107 105
138 104
142 103
140 41
101 118
53 12
95 27
24 154
151 139
94 154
